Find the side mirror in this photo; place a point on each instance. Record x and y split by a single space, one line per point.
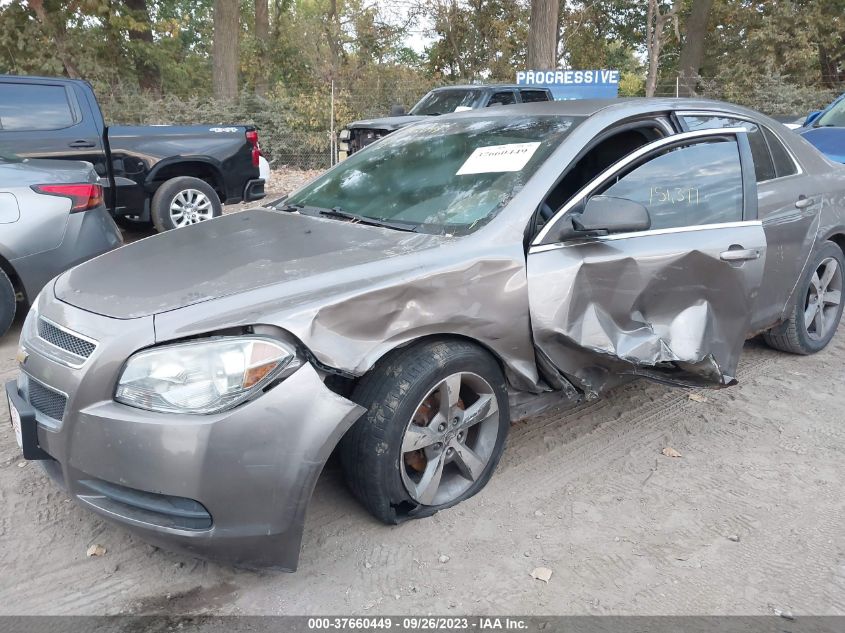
397 109
612 215
812 117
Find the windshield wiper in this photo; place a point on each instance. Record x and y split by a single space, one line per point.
337 212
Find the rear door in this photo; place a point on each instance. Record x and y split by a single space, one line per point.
48 119
672 303
787 206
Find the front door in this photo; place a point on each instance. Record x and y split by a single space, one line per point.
673 303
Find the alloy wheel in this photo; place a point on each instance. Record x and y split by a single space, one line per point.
190 206
823 298
450 440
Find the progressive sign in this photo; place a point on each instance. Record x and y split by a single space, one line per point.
573 84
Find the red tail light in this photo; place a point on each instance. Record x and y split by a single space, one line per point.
252 139
83 196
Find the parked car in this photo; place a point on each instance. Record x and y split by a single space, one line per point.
52 217
171 176
825 129
407 305
439 101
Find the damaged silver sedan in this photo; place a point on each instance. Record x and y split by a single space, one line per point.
406 306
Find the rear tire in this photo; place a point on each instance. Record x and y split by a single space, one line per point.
8 304
815 312
184 201
436 424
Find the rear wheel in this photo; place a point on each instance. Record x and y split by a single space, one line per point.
817 308
7 303
436 424
184 201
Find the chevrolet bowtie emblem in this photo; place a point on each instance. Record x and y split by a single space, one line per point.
22 355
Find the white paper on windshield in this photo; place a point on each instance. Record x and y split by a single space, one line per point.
498 158
462 109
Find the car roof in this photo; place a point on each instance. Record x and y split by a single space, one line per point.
622 106
488 87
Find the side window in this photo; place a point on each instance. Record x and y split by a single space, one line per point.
784 165
764 168
502 98
533 96
686 186
34 107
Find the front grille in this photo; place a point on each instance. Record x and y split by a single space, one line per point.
45 400
64 339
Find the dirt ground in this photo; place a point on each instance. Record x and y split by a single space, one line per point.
748 520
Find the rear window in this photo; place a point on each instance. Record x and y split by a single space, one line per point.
764 168
784 165
34 107
533 96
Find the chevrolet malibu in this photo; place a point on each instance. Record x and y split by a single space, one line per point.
403 308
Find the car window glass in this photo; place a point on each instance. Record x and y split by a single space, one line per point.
440 175
764 168
784 165
439 102
533 96
502 98
688 186
834 117
34 107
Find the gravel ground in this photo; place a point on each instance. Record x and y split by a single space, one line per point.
748 520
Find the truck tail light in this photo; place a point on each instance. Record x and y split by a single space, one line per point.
252 139
83 196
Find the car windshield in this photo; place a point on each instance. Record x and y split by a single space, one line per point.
442 176
439 102
835 117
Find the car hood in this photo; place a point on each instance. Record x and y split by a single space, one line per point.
229 255
387 123
828 140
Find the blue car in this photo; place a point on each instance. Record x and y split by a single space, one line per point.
826 129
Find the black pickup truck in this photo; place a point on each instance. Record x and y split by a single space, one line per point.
169 175
439 101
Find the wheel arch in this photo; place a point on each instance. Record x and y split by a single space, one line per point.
205 169
13 276
343 384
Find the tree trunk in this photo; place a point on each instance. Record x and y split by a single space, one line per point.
656 22
262 34
56 32
542 34
692 54
224 50
148 72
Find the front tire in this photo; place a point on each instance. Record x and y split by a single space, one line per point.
184 201
8 304
436 424
817 308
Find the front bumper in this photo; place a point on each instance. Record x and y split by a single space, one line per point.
232 486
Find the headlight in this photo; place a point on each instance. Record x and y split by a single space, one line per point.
204 376
344 135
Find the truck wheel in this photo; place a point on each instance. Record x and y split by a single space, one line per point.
815 313
183 201
436 424
7 303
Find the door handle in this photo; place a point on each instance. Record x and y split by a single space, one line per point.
803 202
82 144
739 254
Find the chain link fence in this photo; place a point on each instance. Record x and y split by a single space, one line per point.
299 124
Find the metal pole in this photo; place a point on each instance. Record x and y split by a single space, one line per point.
331 132
677 86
